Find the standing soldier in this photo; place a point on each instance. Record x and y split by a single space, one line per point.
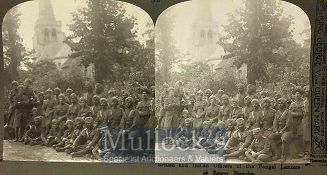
96 105
219 94
208 94
88 95
254 116
251 91
171 106
67 94
21 111
117 113
282 130
248 108
212 110
297 110
56 93
240 96
74 107
39 104
48 108
199 112
32 101
162 111
267 117
306 123
103 114
99 90
61 110
12 103
225 110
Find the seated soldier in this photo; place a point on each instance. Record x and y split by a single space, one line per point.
236 111
86 140
282 130
230 128
203 139
219 137
69 129
260 149
79 122
84 108
185 137
239 141
33 134
252 121
54 130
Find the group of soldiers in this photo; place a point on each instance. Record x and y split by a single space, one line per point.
72 123
249 125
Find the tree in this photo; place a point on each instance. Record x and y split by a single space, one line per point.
14 51
255 34
40 72
103 35
166 53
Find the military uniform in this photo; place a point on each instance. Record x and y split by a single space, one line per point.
73 111
266 118
48 108
60 112
211 112
246 111
102 117
115 117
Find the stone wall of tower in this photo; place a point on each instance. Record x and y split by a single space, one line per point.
48 37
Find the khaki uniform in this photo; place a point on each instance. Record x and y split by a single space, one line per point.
199 113
102 118
225 113
73 111
171 106
306 122
246 111
211 112
48 108
266 118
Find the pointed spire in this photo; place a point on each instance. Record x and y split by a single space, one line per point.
46 13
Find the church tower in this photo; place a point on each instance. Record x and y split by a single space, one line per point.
48 37
204 31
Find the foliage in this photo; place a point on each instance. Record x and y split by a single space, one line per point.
13 49
255 35
45 74
104 35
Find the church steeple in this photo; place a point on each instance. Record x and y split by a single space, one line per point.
46 12
48 37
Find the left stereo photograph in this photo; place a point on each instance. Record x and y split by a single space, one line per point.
79 82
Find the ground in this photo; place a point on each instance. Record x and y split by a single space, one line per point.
19 151
16 151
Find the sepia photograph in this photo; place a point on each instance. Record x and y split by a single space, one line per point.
79 82
232 82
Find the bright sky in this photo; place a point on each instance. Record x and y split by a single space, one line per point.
184 16
63 10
